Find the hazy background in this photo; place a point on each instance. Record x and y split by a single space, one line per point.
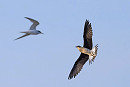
46 60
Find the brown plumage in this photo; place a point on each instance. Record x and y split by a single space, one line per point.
83 57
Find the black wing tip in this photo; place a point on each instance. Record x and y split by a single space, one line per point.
26 17
87 21
16 39
70 77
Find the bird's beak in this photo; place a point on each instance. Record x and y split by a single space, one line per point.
76 46
42 33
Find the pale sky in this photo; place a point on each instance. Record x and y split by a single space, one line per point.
46 60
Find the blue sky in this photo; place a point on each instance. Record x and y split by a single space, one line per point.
46 60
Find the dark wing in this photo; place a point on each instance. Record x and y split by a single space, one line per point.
22 36
88 35
35 23
78 65
83 57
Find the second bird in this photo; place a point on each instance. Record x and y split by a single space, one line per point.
32 30
88 52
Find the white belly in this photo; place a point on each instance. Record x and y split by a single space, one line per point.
32 32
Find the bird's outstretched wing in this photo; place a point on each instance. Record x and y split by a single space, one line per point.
88 35
22 36
78 65
83 57
35 23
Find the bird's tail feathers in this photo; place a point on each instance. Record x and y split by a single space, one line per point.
90 59
23 32
94 53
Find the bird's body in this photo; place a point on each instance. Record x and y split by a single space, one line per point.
84 50
87 52
32 30
92 53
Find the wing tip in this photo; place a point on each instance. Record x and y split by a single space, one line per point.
32 20
69 78
29 18
87 21
15 39
72 76
26 17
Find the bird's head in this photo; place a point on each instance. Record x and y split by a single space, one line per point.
78 46
40 32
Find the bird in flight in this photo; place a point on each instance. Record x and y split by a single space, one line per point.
32 30
87 52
